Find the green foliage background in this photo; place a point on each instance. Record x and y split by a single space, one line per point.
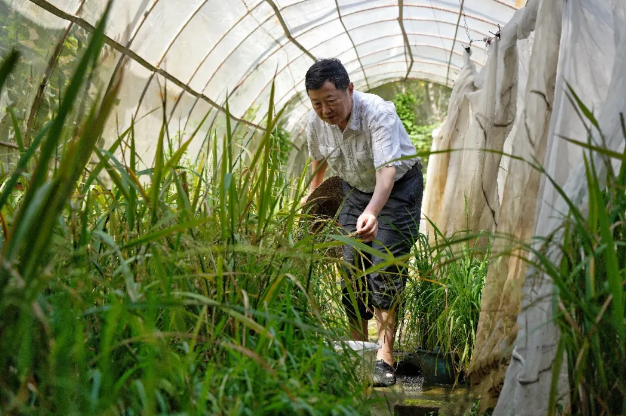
421 135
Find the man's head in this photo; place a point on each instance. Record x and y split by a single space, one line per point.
330 91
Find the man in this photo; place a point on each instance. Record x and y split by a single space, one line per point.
362 139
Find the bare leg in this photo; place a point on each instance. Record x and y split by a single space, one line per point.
386 334
358 329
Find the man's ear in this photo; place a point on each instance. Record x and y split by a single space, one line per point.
350 88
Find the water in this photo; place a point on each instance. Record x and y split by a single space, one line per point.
411 393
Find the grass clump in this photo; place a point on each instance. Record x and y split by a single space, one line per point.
443 300
586 260
167 290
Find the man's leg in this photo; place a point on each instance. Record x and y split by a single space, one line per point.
387 287
397 233
354 300
386 321
354 297
358 328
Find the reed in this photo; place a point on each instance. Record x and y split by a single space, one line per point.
590 281
443 298
182 288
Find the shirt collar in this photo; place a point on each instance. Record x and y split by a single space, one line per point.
354 122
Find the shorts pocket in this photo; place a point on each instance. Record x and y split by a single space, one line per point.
417 183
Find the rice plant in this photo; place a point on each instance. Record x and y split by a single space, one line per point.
590 284
170 290
443 300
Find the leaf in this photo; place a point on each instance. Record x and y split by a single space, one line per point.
362 247
609 255
579 104
101 165
601 150
165 232
556 373
21 166
7 66
158 171
16 129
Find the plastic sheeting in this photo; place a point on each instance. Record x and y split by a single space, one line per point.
203 52
580 42
593 46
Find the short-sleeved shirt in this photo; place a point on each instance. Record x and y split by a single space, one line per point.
374 138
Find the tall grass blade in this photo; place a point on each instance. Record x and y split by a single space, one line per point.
7 66
25 228
556 372
614 277
22 164
19 138
158 172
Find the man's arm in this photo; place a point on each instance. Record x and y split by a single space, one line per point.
318 168
367 224
318 174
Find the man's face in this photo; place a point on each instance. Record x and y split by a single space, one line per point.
332 105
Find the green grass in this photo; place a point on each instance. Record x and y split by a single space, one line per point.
178 289
590 280
192 288
443 298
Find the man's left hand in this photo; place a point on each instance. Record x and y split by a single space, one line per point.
367 227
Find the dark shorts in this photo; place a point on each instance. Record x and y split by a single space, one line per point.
398 228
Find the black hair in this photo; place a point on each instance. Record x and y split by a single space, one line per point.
330 69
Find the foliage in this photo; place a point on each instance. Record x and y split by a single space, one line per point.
36 44
431 100
422 139
281 144
405 107
442 304
168 290
474 410
420 135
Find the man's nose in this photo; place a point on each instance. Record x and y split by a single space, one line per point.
325 109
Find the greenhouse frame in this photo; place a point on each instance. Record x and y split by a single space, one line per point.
154 152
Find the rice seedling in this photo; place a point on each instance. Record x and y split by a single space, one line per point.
178 289
590 282
443 301
585 258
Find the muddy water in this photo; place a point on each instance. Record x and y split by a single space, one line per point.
410 396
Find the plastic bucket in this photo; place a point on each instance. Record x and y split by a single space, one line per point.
365 359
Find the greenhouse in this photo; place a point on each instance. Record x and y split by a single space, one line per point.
173 243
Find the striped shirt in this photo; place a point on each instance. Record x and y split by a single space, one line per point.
374 138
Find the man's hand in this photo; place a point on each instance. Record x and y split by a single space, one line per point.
367 226
304 199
